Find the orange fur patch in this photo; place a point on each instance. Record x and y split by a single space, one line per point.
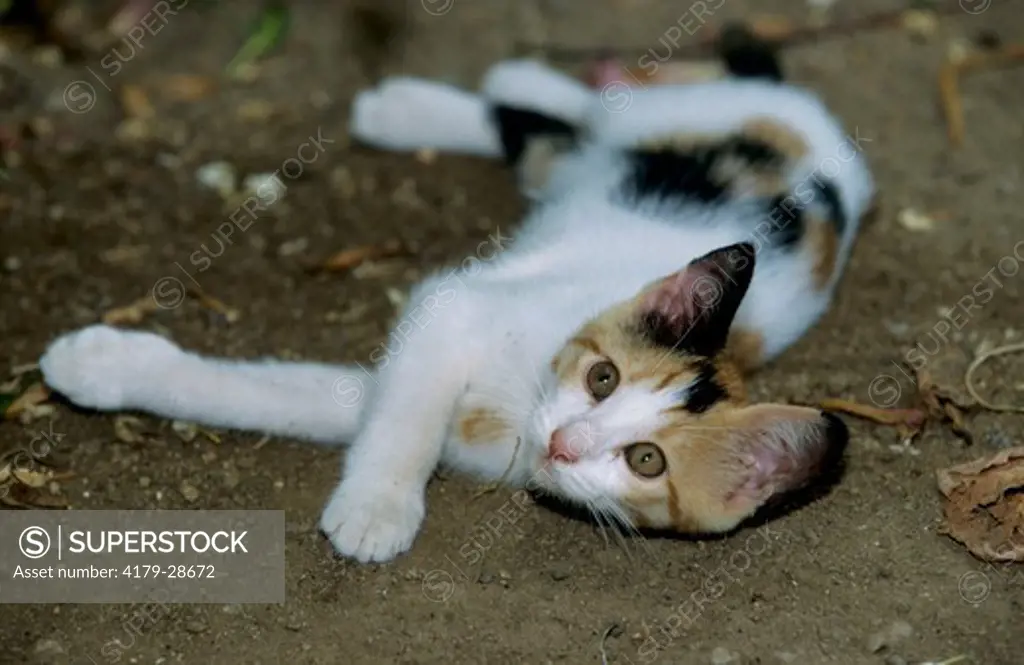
746 349
823 242
479 425
779 136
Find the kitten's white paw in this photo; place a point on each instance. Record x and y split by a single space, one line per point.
369 523
405 113
99 367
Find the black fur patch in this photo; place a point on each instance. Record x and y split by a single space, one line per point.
747 56
517 126
691 173
726 274
788 221
705 391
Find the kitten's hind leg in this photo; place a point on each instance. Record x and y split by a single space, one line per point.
405 114
108 369
539 114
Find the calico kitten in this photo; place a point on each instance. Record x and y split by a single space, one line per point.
600 357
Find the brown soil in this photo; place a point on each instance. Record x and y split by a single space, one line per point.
824 584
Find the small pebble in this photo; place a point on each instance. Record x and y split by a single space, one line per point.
195 627
218 176
48 647
231 478
190 493
560 572
267 186
12 263
293 247
144 481
914 220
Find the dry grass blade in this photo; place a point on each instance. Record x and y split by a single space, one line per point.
775 31
891 417
135 102
133 313
188 87
978 362
354 257
35 395
492 487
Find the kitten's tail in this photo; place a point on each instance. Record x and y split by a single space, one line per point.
748 56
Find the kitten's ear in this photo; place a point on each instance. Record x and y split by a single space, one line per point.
693 309
767 450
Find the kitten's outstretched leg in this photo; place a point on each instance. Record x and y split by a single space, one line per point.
405 114
378 507
532 86
108 369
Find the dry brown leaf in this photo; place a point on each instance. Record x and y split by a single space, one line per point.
34 396
34 479
22 496
136 102
124 254
348 259
909 423
188 87
984 508
943 405
134 313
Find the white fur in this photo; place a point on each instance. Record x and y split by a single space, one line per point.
407 114
483 336
529 84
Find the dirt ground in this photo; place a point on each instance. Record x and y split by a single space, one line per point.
860 576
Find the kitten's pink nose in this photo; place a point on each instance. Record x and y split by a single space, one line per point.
560 449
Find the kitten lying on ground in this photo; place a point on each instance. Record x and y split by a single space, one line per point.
599 358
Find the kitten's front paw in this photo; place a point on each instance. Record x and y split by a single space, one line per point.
369 523
99 367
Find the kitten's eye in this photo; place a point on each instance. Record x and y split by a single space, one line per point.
646 459
602 380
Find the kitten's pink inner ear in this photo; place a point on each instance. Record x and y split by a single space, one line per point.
711 285
672 297
779 449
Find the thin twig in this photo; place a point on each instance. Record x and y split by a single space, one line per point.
949 84
706 46
487 489
604 638
978 362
